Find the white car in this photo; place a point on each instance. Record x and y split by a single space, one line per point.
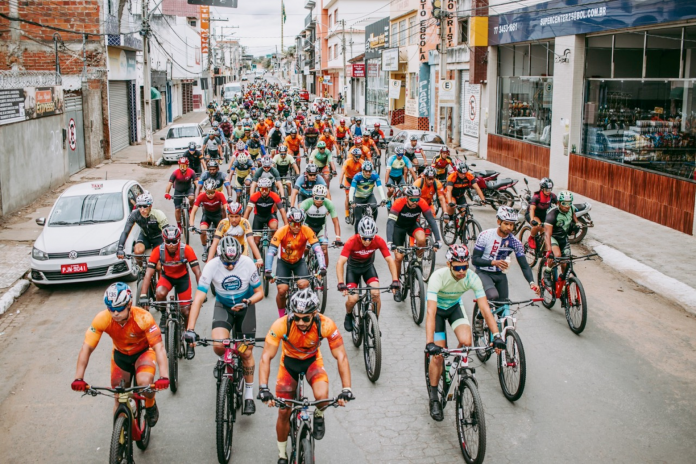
326 101
177 141
80 236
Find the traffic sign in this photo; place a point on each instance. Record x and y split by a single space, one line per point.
72 134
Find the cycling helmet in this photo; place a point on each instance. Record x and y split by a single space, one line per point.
358 140
367 166
209 185
293 131
304 301
546 183
327 129
229 250
234 208
457 254
240 146
342 121
266 162
565 196
247 127
325 118
277 124
505 213
282 149
213 164
367 227
356 152
412 191
192 146
242 159
444 150
413 137
117 296
171 234
312 169
265 182
319 191
429 171
352 119
399 151
296 215
224 119
358 121
376 125
462 167
144 199
213 132
215 124
255 135
321 145
184 160
289 119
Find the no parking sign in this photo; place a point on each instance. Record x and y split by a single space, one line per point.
72 134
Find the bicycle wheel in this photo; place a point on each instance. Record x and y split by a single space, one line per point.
185 225
481 340
141 420
576 305
448 230
150 293
548 293
429 259
357 333
321 288
305 453
530 253
512 372
470 232
264 250
417 296
372 347
172 355
120 441
378 165
471 423
224 420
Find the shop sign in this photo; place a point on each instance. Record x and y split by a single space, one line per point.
472 104
18 105
394 88
376 38
122 65
205 28
412 107
390 59
424 91
428 37
305 71
548 94
569 17
450 26
372 69
446 91
358 69
216 3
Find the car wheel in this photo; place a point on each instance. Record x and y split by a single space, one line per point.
132 276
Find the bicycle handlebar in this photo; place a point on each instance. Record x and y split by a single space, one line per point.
283 403
511 303
574 258
152 302
208 341
463 351
94 391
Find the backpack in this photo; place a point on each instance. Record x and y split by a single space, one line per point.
317 322
182 255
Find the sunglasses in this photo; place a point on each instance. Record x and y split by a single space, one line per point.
366 239
414 200
318 198
143 207
172 242
566 203
311 175
295 224
460 268
117 310
304 319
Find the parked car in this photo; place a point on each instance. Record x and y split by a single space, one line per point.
80 237
178 138
232 90
327 104
304 95
429 141
369 125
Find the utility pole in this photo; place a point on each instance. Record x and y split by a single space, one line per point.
147 97
282 11
343 50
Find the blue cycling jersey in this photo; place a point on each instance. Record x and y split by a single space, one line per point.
397 165
363 187
305 186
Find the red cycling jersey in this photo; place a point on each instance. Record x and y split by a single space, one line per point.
173 266
211 205
183 181
360 255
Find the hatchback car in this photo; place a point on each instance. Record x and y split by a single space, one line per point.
80 237
177 141
429 141
384 126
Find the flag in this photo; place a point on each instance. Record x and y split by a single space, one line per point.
285 17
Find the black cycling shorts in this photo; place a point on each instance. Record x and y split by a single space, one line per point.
261 221
355 273
243 322
295 366
540 213
126 362
178 196
395 180
400 234
460 200
149 242
454 315
284 270
211 219
495 284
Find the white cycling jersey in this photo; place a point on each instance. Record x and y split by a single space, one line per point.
495 247
232 286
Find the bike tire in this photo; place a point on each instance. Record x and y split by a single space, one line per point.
173 354
429 260
224 420
324 293
470 233
577 318
305 454
482 340
512 377
185 226
471 422
357 333
548 295
145 429
530 253
372 347
417 296
448 231
120 441
266 283
378 165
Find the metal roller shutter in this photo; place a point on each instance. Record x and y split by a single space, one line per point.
118 115
467 142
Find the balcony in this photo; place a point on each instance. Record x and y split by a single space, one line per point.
307 45
309 21
309 4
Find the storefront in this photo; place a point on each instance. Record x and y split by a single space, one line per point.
122 100
601 98
377 91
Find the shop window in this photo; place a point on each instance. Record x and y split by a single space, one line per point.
663 53
521 60
394 34
628 54
464 31
690 52
539 59
598 56
412 31
506 59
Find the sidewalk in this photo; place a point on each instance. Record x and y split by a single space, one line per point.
19 230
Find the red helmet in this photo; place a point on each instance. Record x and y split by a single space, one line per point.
376 125
183 160
234 208
342 122
171 234
358 140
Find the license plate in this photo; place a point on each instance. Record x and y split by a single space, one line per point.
73 268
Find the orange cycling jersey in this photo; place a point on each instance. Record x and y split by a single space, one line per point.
351 168
293 144
293 246
366 152
330 141
299 345
139 332
262 128
429 193
341 131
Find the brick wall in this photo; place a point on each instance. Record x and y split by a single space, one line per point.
413 123
180 8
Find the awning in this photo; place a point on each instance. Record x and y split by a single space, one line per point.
155 94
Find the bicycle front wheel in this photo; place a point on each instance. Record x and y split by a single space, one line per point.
417 296
372 347
481 337
173 354
305 453
266 284
470 233
141 420
321 288
576 305
512 367
120 441
224 420
471 423
530 253
185 225
378 165
357 334
448 230
429 260
546 292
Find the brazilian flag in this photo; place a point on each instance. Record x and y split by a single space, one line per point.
285 17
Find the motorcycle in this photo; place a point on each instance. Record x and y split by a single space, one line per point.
582 212
496 192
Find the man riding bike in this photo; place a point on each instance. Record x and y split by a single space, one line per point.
226 127
269 172
264 203
255 146
195 159
241 171
138 347
295 143
323 159
356 130
282 162
539 205
370 145
342 132
394 175
458 182
151 222
239 228
359 253
351 167
182 180
378 136
214 209
214 173
317 209
446 288
311 135
365 151
274 137
362 191
305 183
301 333
558 224
329 140
237 291
414 152
443 164
431 188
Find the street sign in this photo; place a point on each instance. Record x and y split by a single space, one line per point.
72 134
220 3
446 91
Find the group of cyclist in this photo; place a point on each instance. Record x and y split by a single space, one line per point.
258 183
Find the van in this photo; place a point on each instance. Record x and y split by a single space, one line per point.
232 90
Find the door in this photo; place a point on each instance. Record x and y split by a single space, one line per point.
118 115
76 134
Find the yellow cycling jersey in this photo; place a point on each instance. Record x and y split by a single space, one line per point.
239 232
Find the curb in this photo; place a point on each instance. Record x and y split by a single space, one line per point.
12 294
668 287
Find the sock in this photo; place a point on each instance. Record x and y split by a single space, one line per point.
318 413
281 312
282 453
249 391
149 402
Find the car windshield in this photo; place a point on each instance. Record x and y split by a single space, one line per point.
372 121
181 132
432 138
87 209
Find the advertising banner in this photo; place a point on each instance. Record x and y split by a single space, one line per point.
424 91
18 105
390 59
394 88
471 104
412 107
205 28
358 69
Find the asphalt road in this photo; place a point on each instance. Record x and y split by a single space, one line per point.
621 392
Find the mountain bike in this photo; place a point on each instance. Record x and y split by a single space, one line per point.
291 282
139 262
210 233
264 243
230 390
428 264
462 226
458 383
171 324
130 423
411 279
318 282
368 209
366 325
536 253
185 211
566 287
512 363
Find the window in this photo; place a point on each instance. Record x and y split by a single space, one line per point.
192 22
663 53
87 209
335 15
598 56
412 31
394 34
628 54
331 23
402 33
463 31
412 85
336 51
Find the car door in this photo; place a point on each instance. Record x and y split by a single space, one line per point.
395 142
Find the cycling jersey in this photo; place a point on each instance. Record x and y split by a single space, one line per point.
150 226
283 164
405 218
293 144
363 256
174 266
397 166
303 345
363 188
275 137
410 150
494 247
312 134
440 163
330 141
429 193
316 215
321 158
365 150
341 132
242 171
182 181
291 246
194 160
543 202
219 179
377 135
226 128
560 221
351 168
213 205
138 333
240 231
262 129
231 287
265 206
459 185
447 291
356 130
255 148
305 186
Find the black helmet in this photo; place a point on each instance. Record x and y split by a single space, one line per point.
304 301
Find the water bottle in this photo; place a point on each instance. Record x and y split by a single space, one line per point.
448 375
508 260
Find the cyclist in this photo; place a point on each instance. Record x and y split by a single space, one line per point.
458 182
214 210
255 146
362 190
342 132
351 167
404 222
370 145
182 180
443 164
282 162
269 172
295 143
211 144
558 224
323 159
301 333
290 242
305 183
275 136
151 222
316 209
394 176
240 177
329 140
138 347
377 136
356 130
214 173
195 159
365 151
238 132
226 127
359 253
446 288
539 205
172 257
237 291
431 188
413 150
311 135
239 228
264 203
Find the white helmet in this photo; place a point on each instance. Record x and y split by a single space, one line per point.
242 159
319 191
505 213
144 199
367 227
265 182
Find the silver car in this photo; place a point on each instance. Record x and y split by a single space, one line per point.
384 126
430 141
